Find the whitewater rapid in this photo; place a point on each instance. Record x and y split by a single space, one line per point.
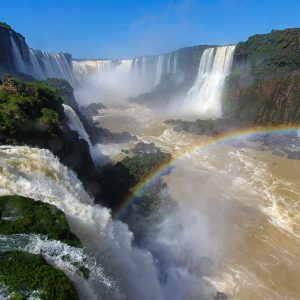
236 230
36 173
238 206
122 271
63 257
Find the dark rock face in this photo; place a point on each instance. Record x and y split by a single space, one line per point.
18 60
115 181
64 89
7 61
96 133
5 50
285 145
265 81
175 84
104 136
166 90
92 109
221 296
145 148
205 127
32 114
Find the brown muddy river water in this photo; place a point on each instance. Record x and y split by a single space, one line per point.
248 201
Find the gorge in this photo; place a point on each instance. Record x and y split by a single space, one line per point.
170 176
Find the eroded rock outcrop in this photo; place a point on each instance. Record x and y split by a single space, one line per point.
264 86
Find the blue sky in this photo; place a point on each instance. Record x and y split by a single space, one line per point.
120 29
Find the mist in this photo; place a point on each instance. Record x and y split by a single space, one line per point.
166 156
110 87
187 243
160 82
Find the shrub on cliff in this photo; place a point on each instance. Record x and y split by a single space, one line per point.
26 275
265 81
116 180
25 107
5 26
277 51
23 215
32 114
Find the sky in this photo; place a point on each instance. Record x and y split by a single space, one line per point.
127 28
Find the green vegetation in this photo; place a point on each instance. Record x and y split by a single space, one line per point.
24 215
62 88
148 208
27 107
141 164
48 119
56 83
24 273
276 52
265 82
32 114
116 180
5 26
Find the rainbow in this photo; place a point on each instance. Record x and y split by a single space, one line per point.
164 168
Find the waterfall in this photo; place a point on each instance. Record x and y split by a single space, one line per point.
55 65
75 123
134 66
147 71
42 65
169 66
19 62
204 98
124 66
84 68
36 173
165 64
37 70
174 69
159 68
144 70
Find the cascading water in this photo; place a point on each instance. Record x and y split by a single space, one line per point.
159 68
120 270
36 173
144 66
84 68
169 67
37 70
19 62
174 69
75 123
42 64
124 66
143 71
204 98
54 65
165 64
